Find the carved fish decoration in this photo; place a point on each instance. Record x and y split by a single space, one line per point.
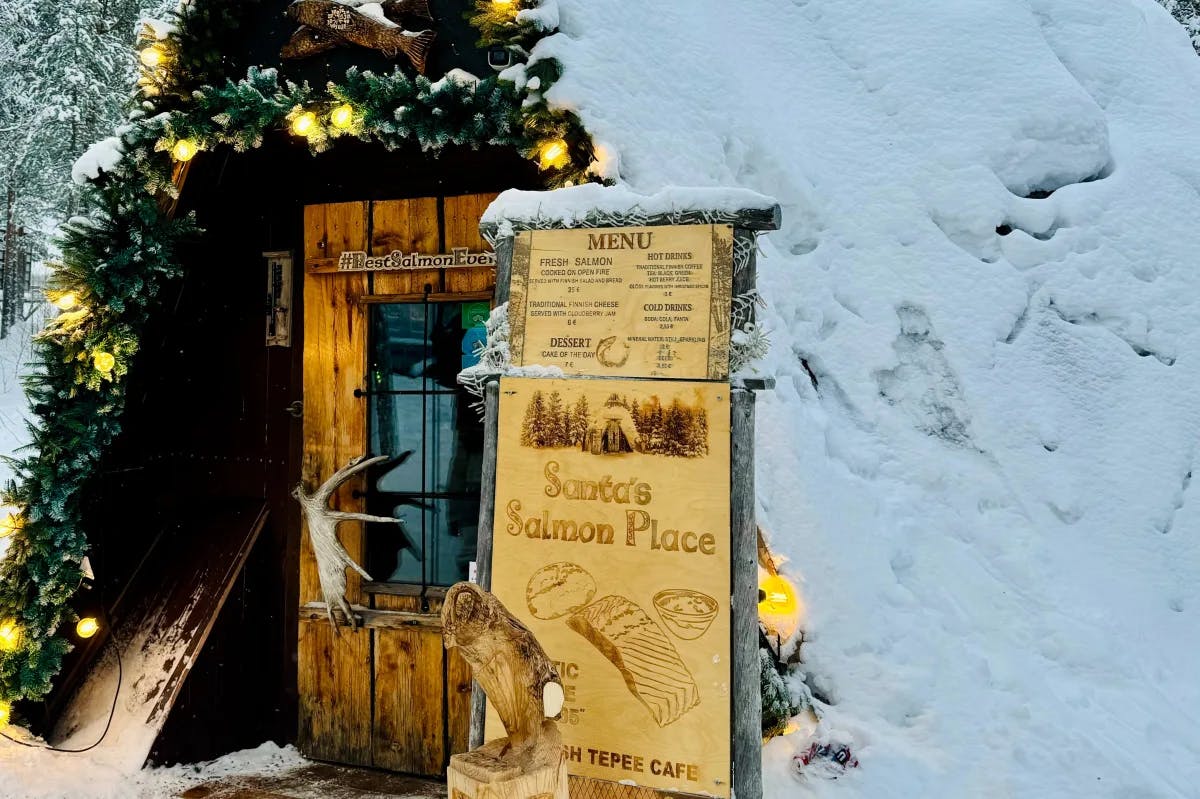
307 42
325 24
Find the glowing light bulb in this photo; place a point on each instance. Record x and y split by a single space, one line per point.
87 627
778 605
304 124
10 635
152 56
553 154
342 117
103 361
67 301
5 714
10 524
184 150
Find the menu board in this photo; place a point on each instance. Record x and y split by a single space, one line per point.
612 545
623 302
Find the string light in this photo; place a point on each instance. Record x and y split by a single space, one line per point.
342 117
184 150
103 361
87 627
152 56
10 524
553 154
304 124
10 635
66 301
778 604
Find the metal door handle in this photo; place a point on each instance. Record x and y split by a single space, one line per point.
296 409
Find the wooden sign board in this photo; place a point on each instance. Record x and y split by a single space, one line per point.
354 261
630 301
612 545
397 261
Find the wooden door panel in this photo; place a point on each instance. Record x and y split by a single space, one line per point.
335 421
391 698
462 230
408 226
334 680
409 732
333 677
458 701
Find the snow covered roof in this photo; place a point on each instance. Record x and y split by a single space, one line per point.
987 268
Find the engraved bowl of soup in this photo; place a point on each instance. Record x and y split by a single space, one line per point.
687 614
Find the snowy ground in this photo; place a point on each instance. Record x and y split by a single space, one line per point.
37 774
986 493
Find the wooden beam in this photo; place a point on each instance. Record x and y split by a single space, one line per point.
404 589
174 596
166 203
441 296
377 619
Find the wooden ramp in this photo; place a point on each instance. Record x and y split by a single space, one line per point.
160 623
319 781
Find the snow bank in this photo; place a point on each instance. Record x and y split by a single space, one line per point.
31 773
572 205
988 267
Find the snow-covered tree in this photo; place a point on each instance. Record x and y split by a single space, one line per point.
66 70
578 421
556 419
80 75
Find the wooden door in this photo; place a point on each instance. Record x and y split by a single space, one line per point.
386 694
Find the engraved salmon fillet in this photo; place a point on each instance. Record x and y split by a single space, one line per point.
641 651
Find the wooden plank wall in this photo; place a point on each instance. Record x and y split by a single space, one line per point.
374 696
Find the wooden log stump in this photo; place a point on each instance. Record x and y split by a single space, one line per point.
512 668
479 774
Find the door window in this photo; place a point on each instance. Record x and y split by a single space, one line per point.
422 418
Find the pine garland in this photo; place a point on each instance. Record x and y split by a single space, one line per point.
118 257
517 27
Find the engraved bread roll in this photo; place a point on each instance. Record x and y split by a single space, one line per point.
649 664
558 589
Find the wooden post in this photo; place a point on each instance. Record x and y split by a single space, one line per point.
504 250
747 693
747 698
487 516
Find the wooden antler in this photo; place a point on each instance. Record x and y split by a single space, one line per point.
332 557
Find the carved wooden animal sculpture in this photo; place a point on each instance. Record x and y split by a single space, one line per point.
523 686
325 24
332 557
